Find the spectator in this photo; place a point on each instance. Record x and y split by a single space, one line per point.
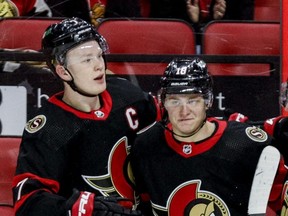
70 8
75 147
15 8
114 9
199 12
8 9
45 8
191 164
196 12
97 11
93 11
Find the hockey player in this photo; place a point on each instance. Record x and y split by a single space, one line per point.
275 126
73 153
278 126
191 164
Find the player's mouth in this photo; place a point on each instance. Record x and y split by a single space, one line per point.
100 77
186 119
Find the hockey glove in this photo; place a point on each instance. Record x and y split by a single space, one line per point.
230 115
87 204
238 117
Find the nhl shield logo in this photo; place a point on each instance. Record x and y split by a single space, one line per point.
99 114
187 149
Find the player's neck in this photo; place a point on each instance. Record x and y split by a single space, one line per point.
206 131
80 102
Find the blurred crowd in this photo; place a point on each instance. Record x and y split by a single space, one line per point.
193 11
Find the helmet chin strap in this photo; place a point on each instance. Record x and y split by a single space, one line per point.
75 88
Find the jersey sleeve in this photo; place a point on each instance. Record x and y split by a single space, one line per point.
124 92
40 168
141 193
143 147
278 128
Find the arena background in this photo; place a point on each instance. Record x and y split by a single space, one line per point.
24 89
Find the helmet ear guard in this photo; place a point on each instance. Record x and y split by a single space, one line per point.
208 100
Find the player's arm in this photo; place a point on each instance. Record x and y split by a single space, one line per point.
278 128
36 183
142 198
36 194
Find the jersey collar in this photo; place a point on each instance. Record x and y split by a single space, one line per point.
100 114
190 149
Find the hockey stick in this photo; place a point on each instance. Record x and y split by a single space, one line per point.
263 180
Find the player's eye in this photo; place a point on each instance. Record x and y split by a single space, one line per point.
172 103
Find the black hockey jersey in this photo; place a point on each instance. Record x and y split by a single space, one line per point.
63 148
211 177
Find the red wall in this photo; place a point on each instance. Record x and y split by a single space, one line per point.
285 43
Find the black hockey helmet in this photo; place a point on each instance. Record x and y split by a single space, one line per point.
187 76
60 37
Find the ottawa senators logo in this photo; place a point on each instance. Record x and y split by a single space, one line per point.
35 124
187 199
256 134
116 181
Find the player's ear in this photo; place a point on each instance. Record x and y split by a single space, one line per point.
62 73
206 104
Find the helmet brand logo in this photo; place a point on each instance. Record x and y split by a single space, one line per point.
179 84
84 30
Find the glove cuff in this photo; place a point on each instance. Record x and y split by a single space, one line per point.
270 125
238 117
84 205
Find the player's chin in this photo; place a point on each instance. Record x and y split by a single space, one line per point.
95 88
185 128
99 88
